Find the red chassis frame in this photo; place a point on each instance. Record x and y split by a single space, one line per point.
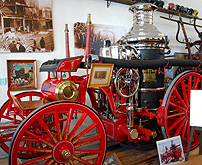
173 114
116 129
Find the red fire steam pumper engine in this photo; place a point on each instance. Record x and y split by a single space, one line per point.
126 94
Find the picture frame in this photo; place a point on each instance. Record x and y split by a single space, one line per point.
170 151
100 75
22 73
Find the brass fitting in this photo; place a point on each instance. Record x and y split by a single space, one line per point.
154 134
89 20
66 28
134 134
66 154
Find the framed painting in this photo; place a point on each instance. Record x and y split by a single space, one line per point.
100 75
22 73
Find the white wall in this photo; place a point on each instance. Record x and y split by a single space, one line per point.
71 11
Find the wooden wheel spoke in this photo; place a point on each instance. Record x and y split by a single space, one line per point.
184 92
179 127
29 139
20 151
47 129
196 82
38 159
68 122
180 98
188 133
175 115
175 123
57 124
39 138
87 151
184 130
47 115
81 160
77 126
70 162
87 141
80 135
49 162
23 144
189 88
52 123
31 149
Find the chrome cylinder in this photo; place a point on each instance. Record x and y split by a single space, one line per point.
143 34
130 116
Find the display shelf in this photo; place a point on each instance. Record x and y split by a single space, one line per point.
126 2
159 9
171 12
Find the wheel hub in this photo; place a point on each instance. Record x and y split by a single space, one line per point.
63 151
66 154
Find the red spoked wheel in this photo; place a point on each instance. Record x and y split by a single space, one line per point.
82 139
177 108
9 121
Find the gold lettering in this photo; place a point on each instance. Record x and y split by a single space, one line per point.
149 75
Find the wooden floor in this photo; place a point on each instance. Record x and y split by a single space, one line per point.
137 155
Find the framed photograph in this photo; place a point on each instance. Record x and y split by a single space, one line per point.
170 151
99 33
26 26
22 73
100 75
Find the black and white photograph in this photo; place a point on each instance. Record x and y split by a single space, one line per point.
99 34
100 75
26 26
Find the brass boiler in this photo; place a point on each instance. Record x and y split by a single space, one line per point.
58 88
54 89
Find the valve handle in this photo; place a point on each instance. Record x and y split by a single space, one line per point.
127 82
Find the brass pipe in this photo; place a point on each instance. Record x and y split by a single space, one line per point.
67 41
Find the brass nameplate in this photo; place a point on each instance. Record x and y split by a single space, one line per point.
149 75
